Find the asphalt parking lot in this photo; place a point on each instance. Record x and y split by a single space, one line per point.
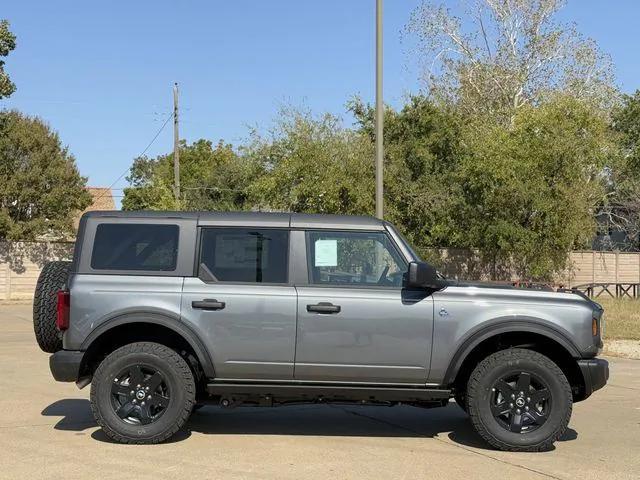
47 431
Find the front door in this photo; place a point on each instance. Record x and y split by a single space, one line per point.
241 303
355 321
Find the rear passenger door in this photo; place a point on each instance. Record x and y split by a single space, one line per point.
241 302
356 323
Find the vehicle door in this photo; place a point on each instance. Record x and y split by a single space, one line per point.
356 322
242 304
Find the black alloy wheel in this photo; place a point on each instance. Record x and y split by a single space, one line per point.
521 402
140 395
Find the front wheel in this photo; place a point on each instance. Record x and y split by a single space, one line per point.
142 393
519 400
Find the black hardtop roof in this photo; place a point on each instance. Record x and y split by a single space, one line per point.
252 219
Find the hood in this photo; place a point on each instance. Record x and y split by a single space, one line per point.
507 286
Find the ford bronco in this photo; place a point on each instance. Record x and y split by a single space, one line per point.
161 312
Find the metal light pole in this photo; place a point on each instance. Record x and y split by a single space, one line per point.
379 114
176 145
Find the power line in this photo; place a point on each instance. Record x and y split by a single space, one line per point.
143 152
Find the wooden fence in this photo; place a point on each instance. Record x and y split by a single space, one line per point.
603 267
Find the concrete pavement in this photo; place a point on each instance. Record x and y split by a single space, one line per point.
47 431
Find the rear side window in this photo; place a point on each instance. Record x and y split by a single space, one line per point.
245 255
126 246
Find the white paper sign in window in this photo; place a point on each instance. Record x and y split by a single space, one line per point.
326 253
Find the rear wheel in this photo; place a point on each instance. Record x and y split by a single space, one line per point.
519 400
142 393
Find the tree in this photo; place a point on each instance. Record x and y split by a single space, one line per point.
520 195
503 55
626 121
7 43
621 208
211 178
40 186
313 164
529 192
421 141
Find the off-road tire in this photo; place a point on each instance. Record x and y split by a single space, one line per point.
177 375
53 278
479 393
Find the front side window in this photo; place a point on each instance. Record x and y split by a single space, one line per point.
140 247
354 258
245 255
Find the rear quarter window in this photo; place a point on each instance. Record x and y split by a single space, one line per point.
142 247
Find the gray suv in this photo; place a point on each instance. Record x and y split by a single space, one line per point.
162 312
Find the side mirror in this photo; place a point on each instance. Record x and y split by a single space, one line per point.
423 275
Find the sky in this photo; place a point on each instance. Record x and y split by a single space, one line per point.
101 73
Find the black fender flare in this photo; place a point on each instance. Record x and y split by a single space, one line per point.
166 319
506 325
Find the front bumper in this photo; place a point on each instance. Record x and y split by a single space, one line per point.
595 372
65 365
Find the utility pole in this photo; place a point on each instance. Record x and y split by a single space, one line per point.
176 145
379 115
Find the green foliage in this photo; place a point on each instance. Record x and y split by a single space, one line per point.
621 208
40 186
7 43
315 165
529 192
420 152
211 178
626 121
521 195
306 165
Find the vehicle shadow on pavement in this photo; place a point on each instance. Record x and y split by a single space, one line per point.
304 420
77 417
75 412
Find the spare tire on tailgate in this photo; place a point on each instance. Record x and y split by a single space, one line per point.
53 278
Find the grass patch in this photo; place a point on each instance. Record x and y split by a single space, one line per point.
622 318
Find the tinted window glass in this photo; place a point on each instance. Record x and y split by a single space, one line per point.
359 258
126 246
245 254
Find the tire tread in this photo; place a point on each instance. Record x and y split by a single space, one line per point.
53 276
500 358
176 362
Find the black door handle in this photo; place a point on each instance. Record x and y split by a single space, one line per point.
324 307
208 304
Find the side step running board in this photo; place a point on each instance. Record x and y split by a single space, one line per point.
312 392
